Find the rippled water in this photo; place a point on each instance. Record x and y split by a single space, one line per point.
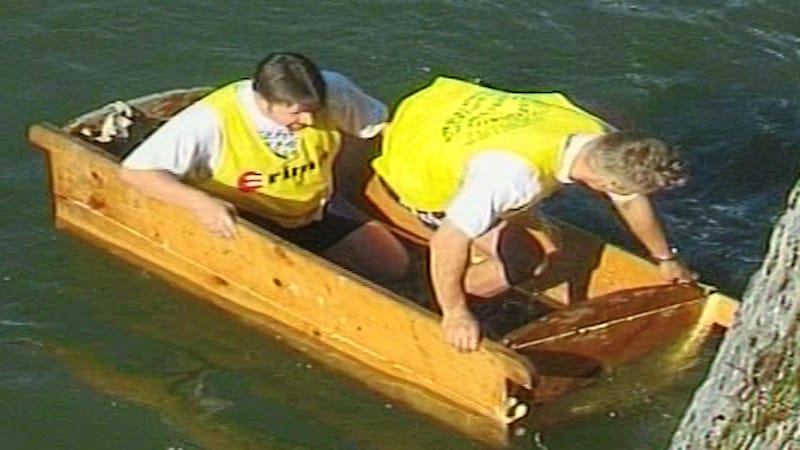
98 354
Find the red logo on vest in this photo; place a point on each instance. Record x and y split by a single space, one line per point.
249 181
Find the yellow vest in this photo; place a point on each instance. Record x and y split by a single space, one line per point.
292 189
436 130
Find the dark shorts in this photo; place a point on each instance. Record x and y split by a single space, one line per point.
317 236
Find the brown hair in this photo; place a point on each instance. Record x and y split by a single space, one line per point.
638 164
289 78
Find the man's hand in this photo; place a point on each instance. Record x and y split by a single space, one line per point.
673 271
461 330
218 216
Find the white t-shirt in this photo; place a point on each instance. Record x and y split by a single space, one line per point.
499 181
190 141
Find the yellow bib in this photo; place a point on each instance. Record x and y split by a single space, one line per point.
289 190
437 130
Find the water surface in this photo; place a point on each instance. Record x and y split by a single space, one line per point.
98 354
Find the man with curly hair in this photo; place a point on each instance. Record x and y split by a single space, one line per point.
464 158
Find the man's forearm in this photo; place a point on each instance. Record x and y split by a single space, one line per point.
448 262
164 186
641 219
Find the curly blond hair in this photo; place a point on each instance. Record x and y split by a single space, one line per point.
638 164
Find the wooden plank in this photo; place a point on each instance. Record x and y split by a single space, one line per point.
625 304
572 347
269 278
720 309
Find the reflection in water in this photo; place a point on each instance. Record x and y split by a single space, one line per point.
226 386
639 389
187 413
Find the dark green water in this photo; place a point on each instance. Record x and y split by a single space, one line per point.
96 354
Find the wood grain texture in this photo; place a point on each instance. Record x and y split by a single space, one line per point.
283 287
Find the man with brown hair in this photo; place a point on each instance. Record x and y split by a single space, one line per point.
264 148
464 158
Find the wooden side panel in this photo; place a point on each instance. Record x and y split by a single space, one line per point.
720 310
585 267
572 347
267 278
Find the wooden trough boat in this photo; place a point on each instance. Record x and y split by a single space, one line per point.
598 306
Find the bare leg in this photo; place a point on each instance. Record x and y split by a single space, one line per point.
510 255
371 250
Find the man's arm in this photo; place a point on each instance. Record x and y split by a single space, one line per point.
639 214
496 181
182 144
354 111
449 257
218 216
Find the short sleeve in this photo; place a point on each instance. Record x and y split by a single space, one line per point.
187 142
495 182
353 111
